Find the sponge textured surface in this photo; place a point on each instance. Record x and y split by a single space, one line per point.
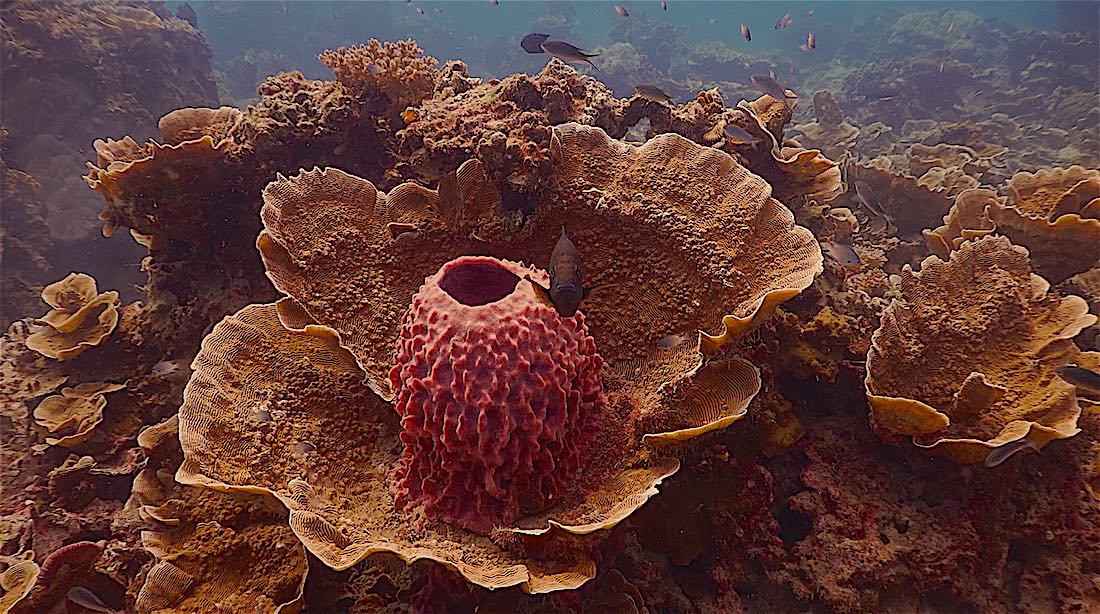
495 392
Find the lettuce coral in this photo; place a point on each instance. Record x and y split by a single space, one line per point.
965 361
511 449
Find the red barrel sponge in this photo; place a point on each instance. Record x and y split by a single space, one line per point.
496 394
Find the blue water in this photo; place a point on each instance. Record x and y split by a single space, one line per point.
486 36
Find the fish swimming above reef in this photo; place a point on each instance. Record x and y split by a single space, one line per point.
88 600
1085 379
783 21
621 11
186 13
867 196
566 289
745 33
810 44
567 53
670 341
841 252
652 92
768 85
532 43
1003 452
739 136
166 367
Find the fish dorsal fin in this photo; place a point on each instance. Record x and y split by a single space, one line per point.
541 293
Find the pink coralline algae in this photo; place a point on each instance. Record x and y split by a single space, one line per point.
496 394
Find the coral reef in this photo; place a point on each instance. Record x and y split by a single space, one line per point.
654 397
79 319
403 405
968 380
394 71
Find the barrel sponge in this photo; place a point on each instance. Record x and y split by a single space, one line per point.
496 395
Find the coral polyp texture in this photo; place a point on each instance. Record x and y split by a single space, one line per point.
497 396
964 362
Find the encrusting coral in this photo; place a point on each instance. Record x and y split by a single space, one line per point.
80 318
18 578
605 445
965 361
1055 214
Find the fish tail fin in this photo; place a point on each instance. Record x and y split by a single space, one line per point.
593 64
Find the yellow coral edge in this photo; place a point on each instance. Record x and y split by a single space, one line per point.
519 574
720 423
342 557
974 451
734 326
914 418
18 579
666 467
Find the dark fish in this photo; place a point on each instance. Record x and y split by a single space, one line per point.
303 447
841 252
713 21
810 44
566 290
1003 452
1085 379
866 195
166 367
621 11
745 34
419 10
664 5
567 53
494 2
438 10
670 341
768 85
532 43
783 21
186 13
739 136
652 92
87 599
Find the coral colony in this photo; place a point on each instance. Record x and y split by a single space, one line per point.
805 380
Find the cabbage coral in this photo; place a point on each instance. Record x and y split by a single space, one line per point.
519 434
